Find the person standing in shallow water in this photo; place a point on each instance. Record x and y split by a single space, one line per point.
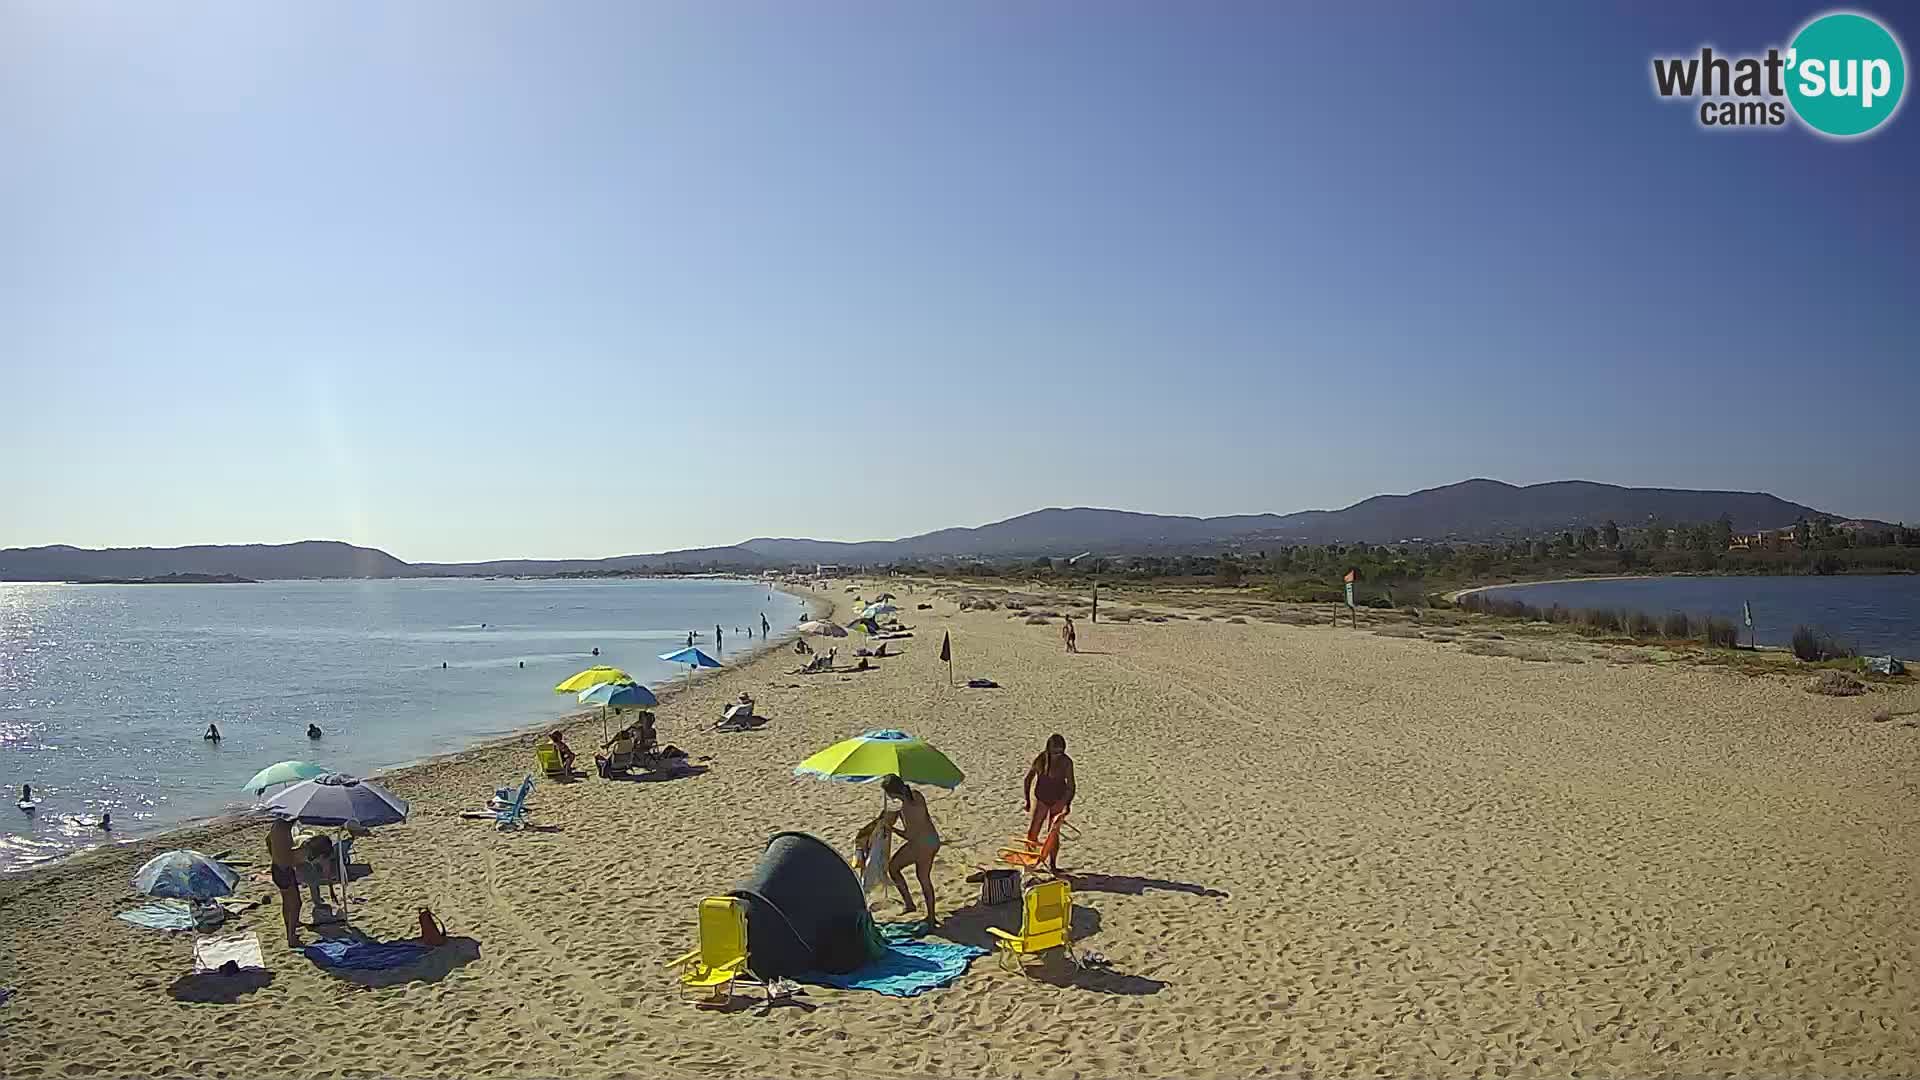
717 645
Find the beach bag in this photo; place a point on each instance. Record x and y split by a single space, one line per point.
431 932
999 887
207 914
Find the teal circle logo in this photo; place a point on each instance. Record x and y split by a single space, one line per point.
1845 74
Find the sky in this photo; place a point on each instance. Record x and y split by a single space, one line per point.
479 280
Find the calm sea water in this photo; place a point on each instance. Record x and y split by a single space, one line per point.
1876 614
105 690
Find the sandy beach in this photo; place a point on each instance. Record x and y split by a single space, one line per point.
1305 850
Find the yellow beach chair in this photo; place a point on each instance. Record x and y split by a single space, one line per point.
1045 925
708 973
548 755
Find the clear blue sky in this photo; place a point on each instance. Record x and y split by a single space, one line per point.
475 280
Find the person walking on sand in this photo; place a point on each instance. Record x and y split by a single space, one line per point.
1048 791
286 876
1067 635
922 844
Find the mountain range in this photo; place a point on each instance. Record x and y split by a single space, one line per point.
1467 511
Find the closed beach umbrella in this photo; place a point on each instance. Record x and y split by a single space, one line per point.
619 695
592 677
185 875
878 754
284 772
691 657
339 799
816 626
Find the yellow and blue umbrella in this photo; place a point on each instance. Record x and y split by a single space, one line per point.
590 678
879 754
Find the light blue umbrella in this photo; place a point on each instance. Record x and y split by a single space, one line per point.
619 695
284 772
691 657
185 875
339 799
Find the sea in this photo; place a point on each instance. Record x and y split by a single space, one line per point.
106 690
1876 614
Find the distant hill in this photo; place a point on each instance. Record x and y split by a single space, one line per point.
306 559
1471 510
1480 509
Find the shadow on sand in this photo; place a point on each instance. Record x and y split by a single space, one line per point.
435 965
658 776
1131 885
213 988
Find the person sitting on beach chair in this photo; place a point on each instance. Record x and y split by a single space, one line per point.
620 753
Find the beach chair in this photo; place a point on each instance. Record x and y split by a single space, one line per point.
1045 924
548 755
708 973
1032 857
514 816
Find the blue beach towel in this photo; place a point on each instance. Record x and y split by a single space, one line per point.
364 955
909 966
161 915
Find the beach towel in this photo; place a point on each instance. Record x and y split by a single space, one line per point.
241 950
364 955
873 872
161 915
909 966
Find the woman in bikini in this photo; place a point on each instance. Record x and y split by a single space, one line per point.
922 844
1049 790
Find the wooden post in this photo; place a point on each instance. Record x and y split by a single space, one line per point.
1096 599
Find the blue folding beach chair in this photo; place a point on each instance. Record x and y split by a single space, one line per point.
515 814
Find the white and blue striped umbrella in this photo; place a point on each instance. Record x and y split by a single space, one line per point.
339 799
185 875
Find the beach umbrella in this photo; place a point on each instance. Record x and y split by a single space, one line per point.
865 625
691 657
878 609
816 626
339 799
284 772
185 875
619 695
592 677
878 754
884 597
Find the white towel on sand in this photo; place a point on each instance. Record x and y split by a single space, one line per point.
242 949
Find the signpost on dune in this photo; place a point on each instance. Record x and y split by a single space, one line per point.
1353 575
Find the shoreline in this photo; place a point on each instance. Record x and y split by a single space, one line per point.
228 821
